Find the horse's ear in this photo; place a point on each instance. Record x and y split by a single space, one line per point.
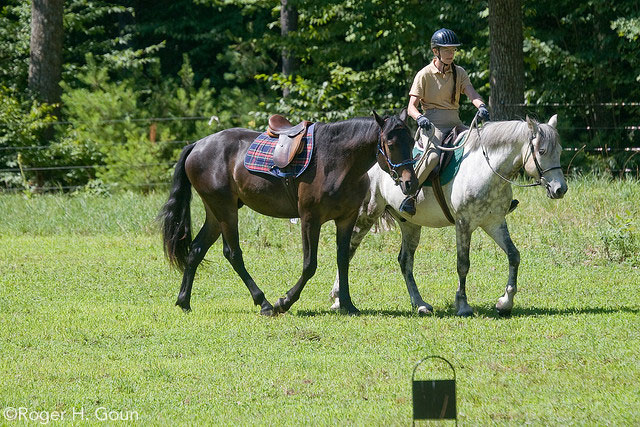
403 115
553 121
533 125
379 119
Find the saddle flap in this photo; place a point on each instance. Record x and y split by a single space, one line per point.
288 146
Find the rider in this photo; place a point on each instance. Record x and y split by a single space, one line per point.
436 89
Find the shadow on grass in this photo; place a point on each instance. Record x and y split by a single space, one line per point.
382 313
489 312
545 311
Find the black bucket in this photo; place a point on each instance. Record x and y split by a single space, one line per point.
434 399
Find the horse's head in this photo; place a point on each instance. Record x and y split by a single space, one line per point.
542 157
395 151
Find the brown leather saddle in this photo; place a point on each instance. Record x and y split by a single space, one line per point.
290 138
445 158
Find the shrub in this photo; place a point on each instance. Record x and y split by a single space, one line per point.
21 123
621 238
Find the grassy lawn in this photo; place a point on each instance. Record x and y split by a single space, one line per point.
88 320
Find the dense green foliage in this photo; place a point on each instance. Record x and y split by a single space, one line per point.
142 76
88 319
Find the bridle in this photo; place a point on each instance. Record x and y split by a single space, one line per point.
392 166
532 152
541 171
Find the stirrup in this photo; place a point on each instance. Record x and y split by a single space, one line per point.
513 206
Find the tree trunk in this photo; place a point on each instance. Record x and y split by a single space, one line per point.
288 23
45 62
506 64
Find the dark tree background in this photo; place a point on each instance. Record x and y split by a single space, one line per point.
135 79
506 62
45 64
288 23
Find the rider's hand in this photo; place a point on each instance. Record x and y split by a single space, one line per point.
483 113
423 122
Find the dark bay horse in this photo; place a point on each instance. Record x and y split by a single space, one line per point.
332 187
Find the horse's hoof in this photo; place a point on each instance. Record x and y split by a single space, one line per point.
267 312
185 306
504 306
267 309
336 305
279 306
425 310
465 312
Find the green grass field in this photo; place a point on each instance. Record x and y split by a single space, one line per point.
87 321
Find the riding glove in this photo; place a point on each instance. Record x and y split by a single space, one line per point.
423 122
483 113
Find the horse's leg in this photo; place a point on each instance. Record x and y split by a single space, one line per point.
233 253
363 224
463 242
208 234
310 236
344 231
410 241
500 233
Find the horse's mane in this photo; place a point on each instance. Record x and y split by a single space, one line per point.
353 126
499 134
360 125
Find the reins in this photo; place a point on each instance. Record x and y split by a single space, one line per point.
535 184
432 136
532 153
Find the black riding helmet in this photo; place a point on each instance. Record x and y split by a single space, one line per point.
444 38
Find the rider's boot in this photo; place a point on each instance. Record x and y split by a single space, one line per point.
408 205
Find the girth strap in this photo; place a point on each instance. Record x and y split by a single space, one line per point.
437 191
291 190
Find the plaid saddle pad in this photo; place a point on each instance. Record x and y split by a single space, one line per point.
259 157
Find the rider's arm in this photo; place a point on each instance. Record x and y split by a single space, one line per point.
473 96
412 108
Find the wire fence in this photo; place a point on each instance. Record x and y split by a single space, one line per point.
20 171
102 187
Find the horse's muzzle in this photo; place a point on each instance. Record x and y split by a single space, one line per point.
408 181
556 189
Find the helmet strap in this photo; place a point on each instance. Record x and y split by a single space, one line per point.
444 66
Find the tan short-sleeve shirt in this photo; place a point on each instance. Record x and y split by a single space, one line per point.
434 88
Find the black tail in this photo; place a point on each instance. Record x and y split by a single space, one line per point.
176 215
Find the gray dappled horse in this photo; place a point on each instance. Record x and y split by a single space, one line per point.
332 187
477 197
